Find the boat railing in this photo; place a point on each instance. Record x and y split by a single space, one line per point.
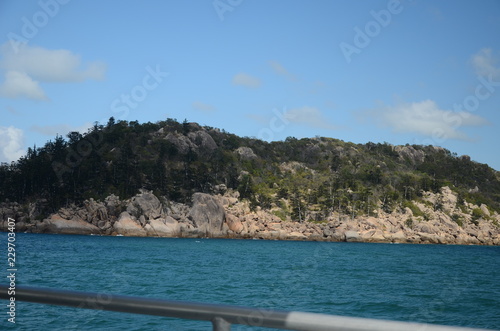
221 316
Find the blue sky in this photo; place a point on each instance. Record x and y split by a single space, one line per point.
417 72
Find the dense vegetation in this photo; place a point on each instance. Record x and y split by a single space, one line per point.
301 178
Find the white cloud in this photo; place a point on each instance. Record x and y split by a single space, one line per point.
47 65
11 144
203 106
20 85
309 116
280 70
246 80
485 63
427 119
29 66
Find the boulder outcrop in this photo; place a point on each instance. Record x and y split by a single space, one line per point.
226 216
199 141
246 153
145 204
167 227
202 140
128 225
351 236
409 152
56 224
207 214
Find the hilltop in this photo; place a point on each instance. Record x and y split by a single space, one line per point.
204 181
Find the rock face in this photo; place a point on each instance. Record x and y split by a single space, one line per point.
181 142
225 216
207 214
234 224
202 140
57 224
351 236
408 152
198 141
168 227
246 153
146 204
127 225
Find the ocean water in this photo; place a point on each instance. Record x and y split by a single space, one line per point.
452 285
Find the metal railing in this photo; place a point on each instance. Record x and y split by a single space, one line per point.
221 316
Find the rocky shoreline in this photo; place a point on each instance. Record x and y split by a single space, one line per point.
225 216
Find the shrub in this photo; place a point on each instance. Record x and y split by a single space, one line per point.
40 217
477 213
457 219
280 213
414 208
409 223
438 206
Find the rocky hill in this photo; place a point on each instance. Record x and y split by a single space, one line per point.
183 180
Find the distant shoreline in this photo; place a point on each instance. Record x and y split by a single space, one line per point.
226 216
352 237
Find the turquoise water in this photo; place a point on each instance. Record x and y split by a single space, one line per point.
454 285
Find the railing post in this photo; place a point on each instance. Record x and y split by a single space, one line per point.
221 324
